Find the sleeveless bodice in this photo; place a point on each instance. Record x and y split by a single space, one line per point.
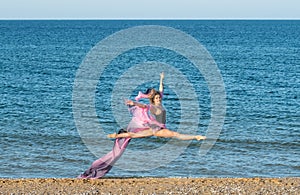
160 113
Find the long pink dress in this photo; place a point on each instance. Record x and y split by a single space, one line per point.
141 120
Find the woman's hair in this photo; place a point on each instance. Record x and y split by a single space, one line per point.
152 98
144 95
148 91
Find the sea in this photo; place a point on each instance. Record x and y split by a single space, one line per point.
42 125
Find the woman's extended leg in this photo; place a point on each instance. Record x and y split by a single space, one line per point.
140 134
168 134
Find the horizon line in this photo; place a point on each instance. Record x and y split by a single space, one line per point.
149 18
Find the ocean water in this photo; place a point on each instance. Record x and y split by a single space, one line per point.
259 62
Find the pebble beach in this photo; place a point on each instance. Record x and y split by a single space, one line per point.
151 186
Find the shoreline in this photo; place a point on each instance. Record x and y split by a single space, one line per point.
151 185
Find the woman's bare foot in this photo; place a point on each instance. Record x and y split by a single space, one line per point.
114 135
200 137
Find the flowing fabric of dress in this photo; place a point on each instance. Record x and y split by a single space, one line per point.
141 120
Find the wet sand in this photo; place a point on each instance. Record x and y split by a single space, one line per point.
152 186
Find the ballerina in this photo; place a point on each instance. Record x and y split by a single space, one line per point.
147 120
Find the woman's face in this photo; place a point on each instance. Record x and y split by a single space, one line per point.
157 99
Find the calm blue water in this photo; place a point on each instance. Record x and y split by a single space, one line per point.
259 62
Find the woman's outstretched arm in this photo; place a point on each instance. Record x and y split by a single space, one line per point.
132 103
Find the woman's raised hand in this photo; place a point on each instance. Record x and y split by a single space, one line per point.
162 75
